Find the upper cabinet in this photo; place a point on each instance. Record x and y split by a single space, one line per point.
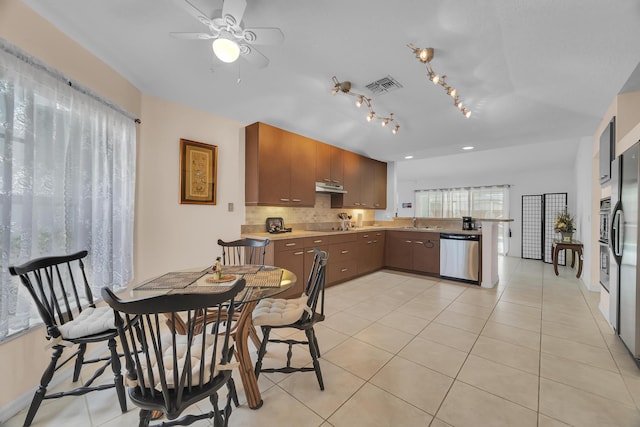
277 165
365 181
329 163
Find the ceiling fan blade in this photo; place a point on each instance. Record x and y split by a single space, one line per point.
253 56
194 11
263 35
234 9
193 36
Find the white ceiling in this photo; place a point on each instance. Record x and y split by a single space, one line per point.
531 72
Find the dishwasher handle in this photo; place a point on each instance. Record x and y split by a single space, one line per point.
473 237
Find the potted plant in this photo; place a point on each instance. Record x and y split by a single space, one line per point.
565 225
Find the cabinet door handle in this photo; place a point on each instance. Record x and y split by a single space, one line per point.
407 241
344 252
310 251
284 200
357 204
299 253
317 241
326 179
375 241
369 242
419 242
335 180
290 244
343 270
363 204
377 204
366 236
296 200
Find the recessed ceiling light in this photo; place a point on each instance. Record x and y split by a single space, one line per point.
408 157
468 147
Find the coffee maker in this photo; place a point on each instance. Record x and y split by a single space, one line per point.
467 223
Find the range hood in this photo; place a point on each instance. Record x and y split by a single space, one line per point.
328 187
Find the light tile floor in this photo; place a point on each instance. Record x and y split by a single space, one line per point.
406 350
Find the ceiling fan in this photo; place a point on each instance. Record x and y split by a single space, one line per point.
230 38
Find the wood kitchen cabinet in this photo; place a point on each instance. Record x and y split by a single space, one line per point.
380 185
277 165
329 163
365 181
415 251
370 253
426 252
290 254
399 250
342 263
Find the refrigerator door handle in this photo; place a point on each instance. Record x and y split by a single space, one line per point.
615 236
617 231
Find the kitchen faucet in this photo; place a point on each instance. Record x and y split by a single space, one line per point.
415 221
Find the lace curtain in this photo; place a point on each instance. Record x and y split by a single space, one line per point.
67 181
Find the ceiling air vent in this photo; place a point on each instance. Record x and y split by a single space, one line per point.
384 85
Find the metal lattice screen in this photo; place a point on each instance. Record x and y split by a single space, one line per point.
532 226
539 212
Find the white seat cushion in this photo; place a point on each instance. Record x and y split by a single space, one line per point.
181 352
279 312
89 322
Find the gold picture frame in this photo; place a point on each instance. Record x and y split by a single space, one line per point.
198 172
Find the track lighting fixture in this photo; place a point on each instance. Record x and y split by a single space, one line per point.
345 87
425 55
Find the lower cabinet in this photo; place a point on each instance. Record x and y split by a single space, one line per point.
370 251
426 253
342 264
416 251
290 254
355 254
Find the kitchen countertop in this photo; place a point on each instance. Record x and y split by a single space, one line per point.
312 233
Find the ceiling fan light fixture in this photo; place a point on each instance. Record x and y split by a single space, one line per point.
226 49
395 129
370 116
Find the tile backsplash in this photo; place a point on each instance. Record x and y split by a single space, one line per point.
321 216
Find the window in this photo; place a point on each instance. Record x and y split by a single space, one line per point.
67 176
477 202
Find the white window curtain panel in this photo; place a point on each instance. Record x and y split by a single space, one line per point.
67 181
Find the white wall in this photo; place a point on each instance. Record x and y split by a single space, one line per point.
584 208
170 235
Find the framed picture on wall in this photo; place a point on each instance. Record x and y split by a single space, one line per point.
198 170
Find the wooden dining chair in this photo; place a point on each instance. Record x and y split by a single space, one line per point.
60 290
241 252
301 313
169 372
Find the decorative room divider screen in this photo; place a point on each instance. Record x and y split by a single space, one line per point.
538 215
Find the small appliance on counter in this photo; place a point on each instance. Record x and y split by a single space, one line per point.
467 223
275 225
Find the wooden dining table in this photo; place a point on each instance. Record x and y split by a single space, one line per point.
261 282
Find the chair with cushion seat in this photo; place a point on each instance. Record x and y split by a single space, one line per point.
168 371
63 297
301 313
241 252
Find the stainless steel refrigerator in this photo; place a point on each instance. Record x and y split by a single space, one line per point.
624 292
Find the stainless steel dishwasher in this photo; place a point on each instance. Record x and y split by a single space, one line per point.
460 257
